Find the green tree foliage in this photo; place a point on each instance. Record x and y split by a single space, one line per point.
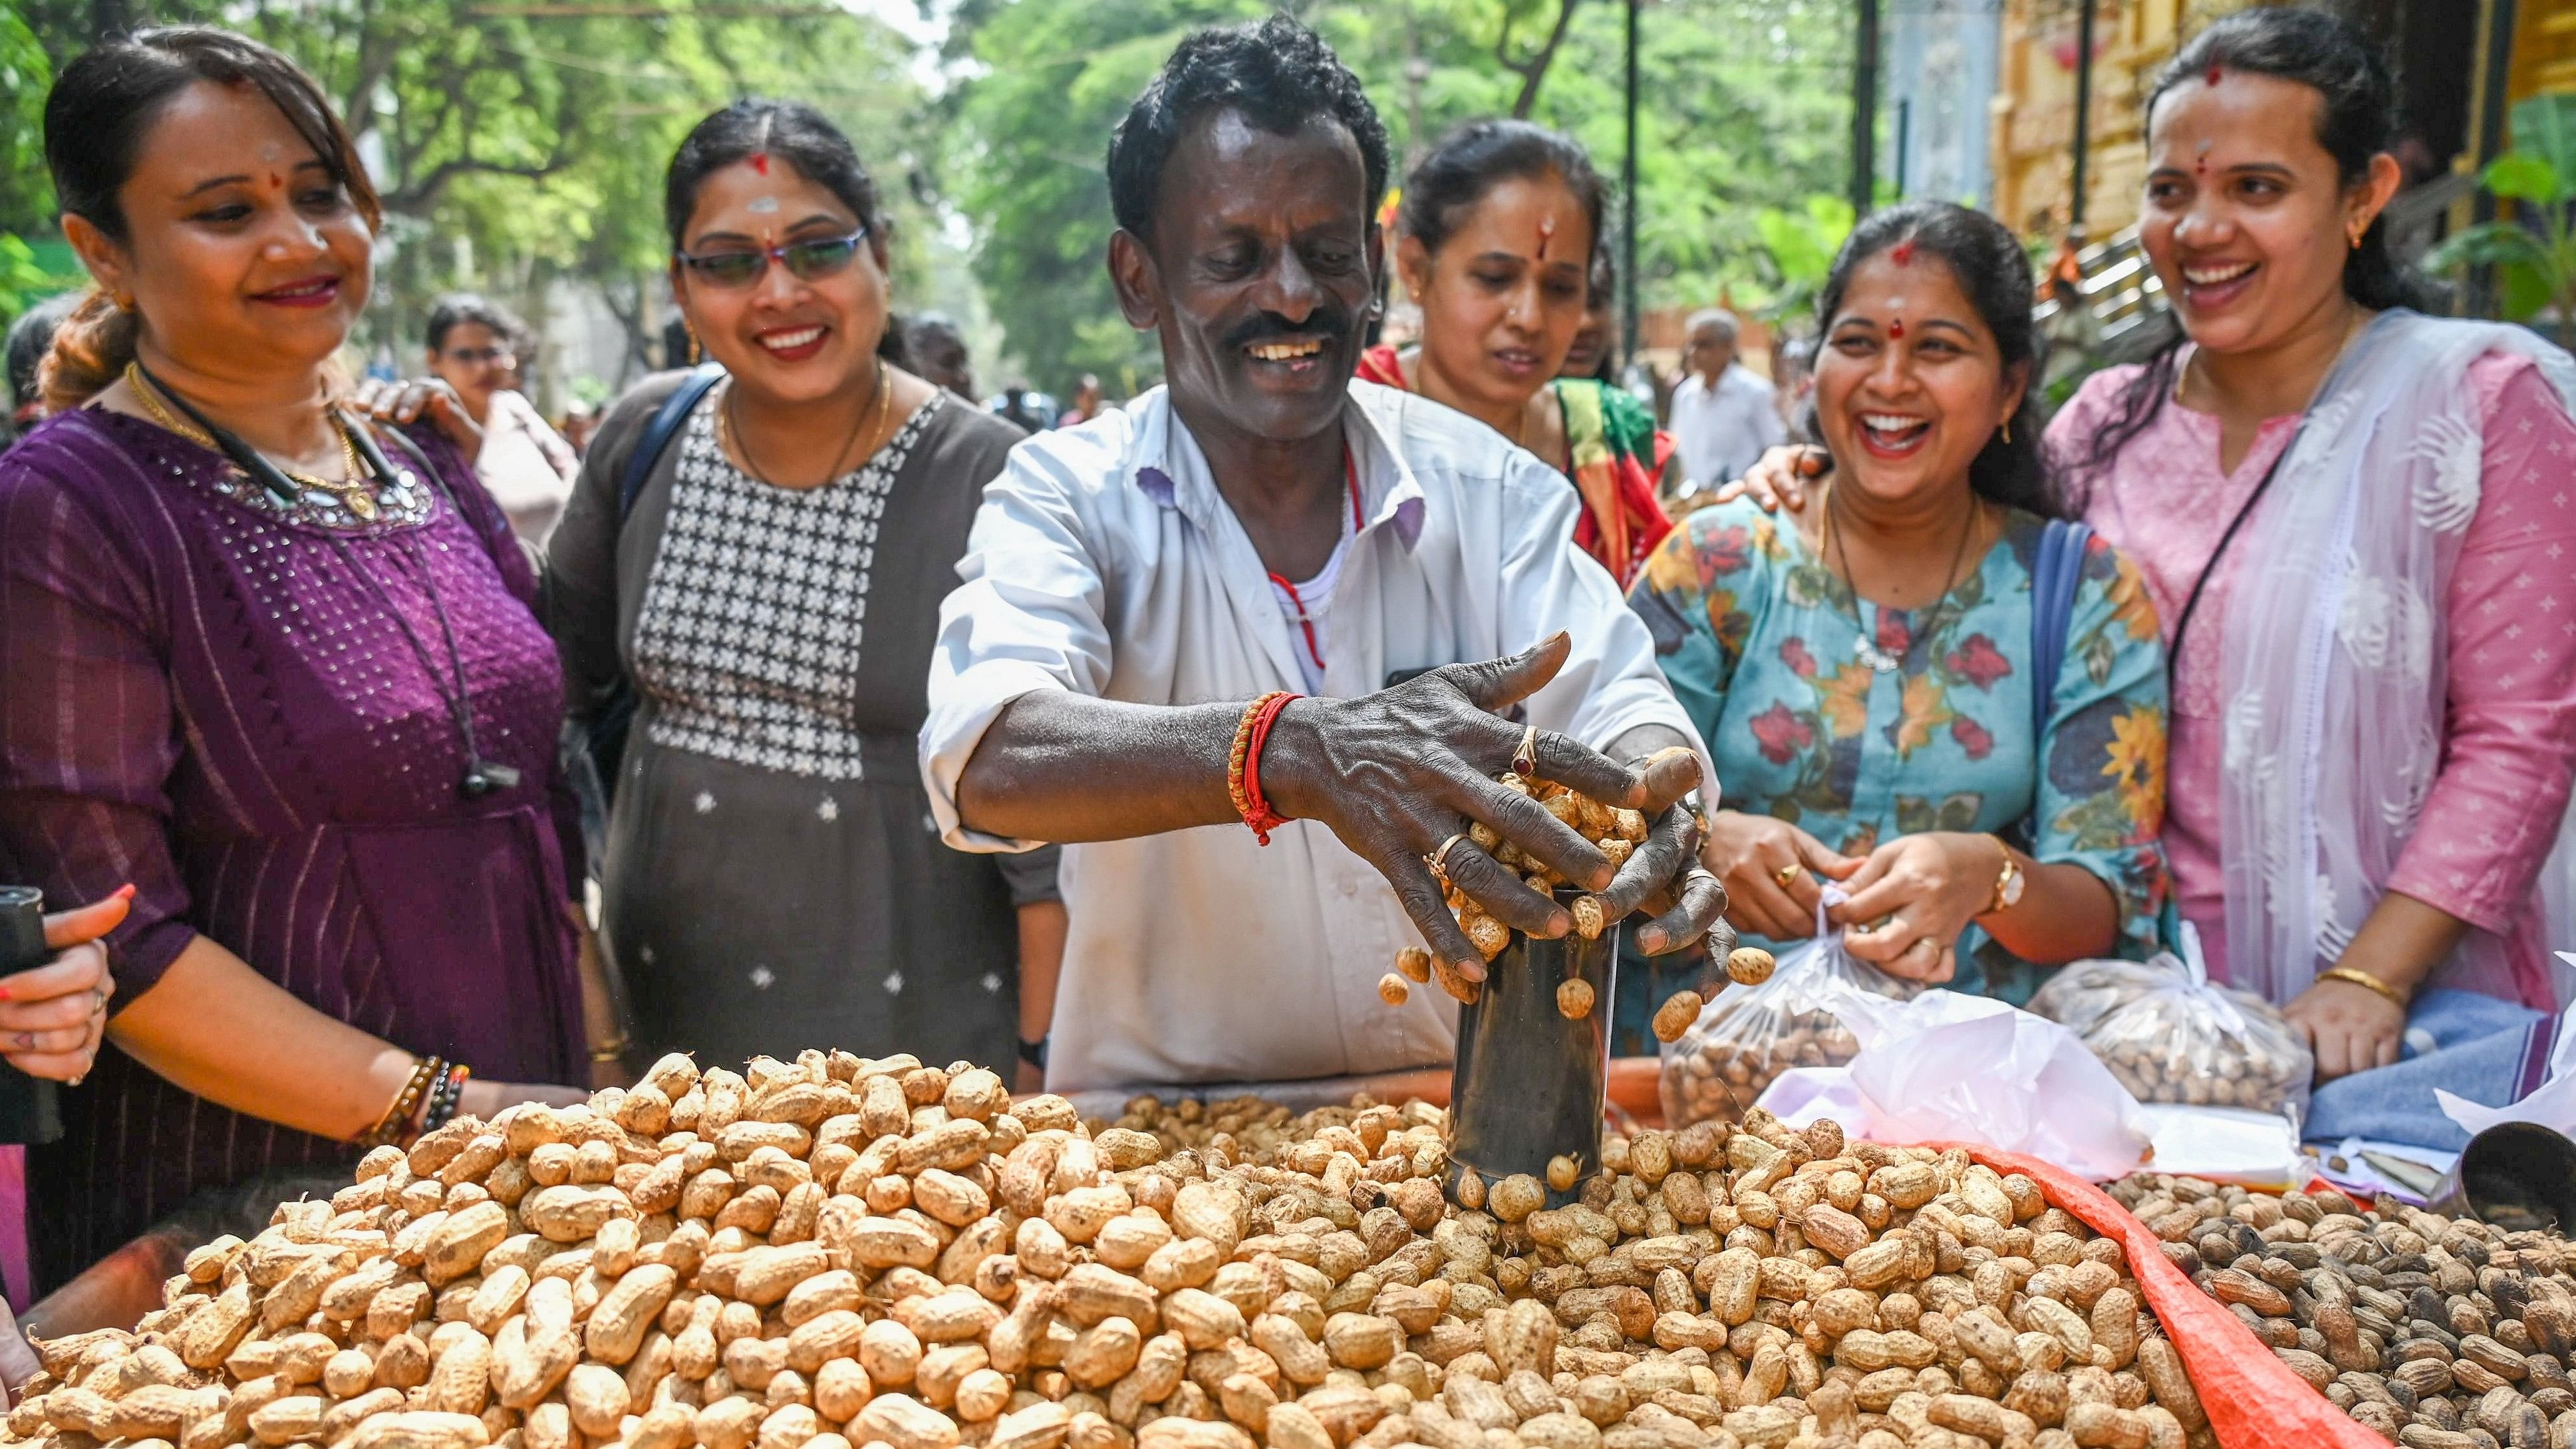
1744 108
516 141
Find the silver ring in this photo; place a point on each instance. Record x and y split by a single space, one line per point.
1525 759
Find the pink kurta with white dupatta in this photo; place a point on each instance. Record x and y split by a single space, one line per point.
2378 690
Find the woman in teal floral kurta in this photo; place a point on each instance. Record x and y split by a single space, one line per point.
1878 731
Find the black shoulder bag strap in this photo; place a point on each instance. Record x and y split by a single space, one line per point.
605 745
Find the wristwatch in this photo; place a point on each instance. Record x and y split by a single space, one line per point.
2008 884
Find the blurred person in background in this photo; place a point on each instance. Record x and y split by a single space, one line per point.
1496 241
30 338
1025 408
579 422
754 556
939 354
1722 413
1595 353
290 690
1086 403
474 347
1793 377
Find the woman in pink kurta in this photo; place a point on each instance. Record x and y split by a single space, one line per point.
2509 619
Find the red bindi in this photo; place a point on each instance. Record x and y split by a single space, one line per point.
760 162
1896 329
276 182
1904 253
1546 230
2216 73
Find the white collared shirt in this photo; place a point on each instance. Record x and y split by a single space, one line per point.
1105 561
1720 432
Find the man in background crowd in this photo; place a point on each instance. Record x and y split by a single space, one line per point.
1722 412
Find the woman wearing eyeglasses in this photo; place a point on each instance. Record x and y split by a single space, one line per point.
524 463
769 597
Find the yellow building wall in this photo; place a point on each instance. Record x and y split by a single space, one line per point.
2034 108
2544 48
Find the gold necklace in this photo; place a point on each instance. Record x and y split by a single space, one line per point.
355 493
732 435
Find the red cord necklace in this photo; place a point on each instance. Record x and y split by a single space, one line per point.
1305 622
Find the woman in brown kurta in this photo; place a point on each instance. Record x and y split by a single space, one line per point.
772 878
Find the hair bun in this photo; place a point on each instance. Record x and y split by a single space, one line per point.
90 351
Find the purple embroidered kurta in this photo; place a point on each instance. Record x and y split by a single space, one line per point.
220 704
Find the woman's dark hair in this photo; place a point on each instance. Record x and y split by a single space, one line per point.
789 130
103 105
1995 273
1602 285
1276 73
1481 155
459 308
2356 123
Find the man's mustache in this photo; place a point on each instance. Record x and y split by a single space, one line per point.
1329 321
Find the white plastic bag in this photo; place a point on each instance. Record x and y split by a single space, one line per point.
1945 1067
1804 1016
2171 1036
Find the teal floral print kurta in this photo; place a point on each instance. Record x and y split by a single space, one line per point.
1762 642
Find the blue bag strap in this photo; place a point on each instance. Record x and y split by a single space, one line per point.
657 434
2055 574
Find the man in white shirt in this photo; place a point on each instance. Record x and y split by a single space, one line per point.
1135 586
1722 412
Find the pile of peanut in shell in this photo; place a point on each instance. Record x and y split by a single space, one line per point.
837 1252
2438 1332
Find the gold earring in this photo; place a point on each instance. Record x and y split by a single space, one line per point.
2007 430
696 353
125 301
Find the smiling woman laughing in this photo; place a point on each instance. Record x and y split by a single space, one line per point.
1871 674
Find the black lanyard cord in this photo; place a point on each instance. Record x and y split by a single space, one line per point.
2191 602
481 777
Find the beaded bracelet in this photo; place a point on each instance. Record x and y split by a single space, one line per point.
1243 764
444 1097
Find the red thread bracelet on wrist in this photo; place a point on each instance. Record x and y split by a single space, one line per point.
1255 806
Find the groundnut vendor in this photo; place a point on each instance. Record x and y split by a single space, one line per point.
1265 594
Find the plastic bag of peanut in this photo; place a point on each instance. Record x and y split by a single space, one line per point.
2170 1035
1803 1016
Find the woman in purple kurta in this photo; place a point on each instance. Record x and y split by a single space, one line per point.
247 706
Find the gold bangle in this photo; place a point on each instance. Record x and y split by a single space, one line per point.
398 1113
2364 979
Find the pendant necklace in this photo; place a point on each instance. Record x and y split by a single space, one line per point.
1865 647
481 776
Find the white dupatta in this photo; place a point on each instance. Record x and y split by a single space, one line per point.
2334 653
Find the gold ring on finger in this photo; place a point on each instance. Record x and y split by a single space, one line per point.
1787 875
1438 858
1525 759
